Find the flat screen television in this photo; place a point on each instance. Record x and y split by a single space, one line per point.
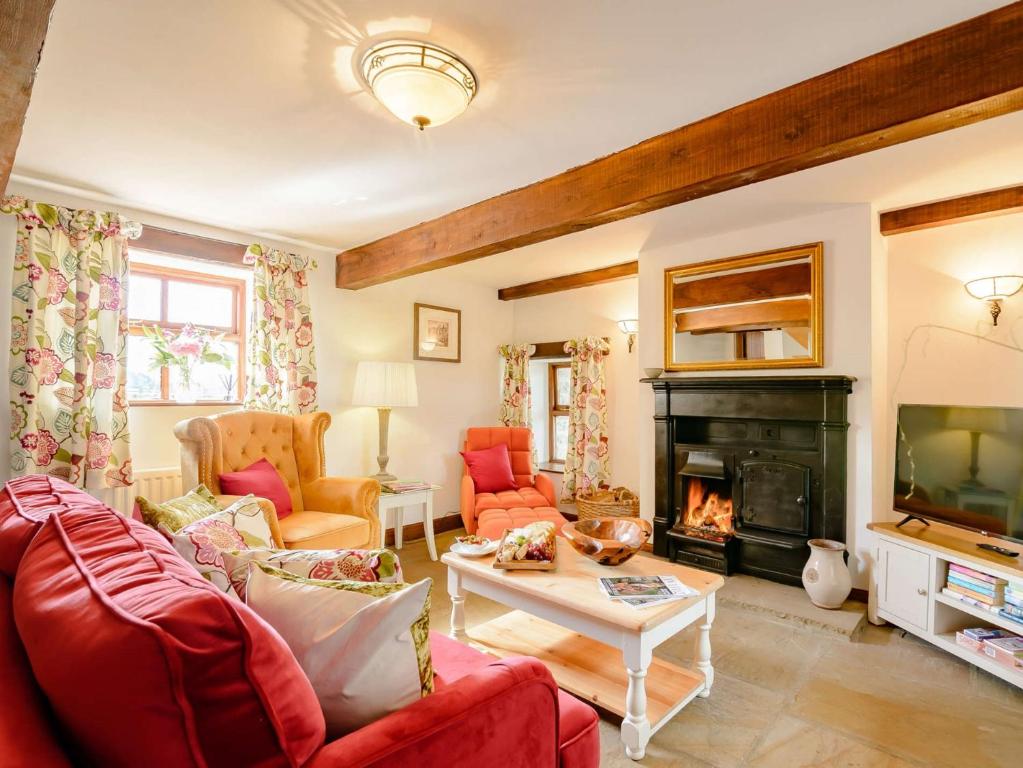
961 465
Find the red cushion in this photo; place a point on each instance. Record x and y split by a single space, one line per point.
490 469
25 504
27 735
146 663
262 480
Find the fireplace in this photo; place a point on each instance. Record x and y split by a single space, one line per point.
748 470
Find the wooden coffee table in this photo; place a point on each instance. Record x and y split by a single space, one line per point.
596 648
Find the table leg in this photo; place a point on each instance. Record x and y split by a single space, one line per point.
431 545
399 525
457 595
636 726
703 648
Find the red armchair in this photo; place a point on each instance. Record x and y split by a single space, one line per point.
534 490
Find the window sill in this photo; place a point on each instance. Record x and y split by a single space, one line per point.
547 466
171 403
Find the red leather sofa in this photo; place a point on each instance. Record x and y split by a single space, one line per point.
115 652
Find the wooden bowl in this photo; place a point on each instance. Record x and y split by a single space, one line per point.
608 540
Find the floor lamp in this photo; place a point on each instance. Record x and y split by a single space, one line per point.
385 386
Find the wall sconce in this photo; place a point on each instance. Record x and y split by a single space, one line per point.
993 290
630 328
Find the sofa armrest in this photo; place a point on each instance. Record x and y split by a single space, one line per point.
504 714
467 504
346 495
269 512
545 486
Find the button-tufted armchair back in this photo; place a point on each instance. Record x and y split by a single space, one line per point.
520 447
231 441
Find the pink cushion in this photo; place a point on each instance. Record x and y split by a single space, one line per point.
523 497
25 504
27 734
490 469
577 722
262 480
519 441
494 522
163 670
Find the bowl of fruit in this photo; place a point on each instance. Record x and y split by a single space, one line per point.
531 547
473 545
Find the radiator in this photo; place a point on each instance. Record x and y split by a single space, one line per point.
155 484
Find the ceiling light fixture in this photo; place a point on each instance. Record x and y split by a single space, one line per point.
419 83
993 290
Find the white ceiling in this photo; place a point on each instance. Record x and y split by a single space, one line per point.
246 113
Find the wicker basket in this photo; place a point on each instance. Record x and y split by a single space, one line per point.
618 502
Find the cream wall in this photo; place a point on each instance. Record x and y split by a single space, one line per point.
851 255
929 361
373 324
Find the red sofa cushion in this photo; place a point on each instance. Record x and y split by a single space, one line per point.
260 479
490 469
164 669
28 738
25 504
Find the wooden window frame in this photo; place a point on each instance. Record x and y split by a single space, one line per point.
553 408
236 333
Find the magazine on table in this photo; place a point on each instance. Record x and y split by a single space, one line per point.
643 591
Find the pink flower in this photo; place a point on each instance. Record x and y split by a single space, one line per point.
57 288
30 441
268 310
306 394
271 375
98 452
187 343
210 538
304 334
104 371
46 447
50 367
19 334
289 314
34 272
32 356
109 292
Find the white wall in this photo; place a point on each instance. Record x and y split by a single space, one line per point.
595 311
850 256
936 365
373 324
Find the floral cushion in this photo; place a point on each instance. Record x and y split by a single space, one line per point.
177 513
364 646
241 526
367 565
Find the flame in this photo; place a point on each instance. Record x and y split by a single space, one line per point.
707 508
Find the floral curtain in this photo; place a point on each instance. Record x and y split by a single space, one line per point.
69 333
586 461
515 385
281 360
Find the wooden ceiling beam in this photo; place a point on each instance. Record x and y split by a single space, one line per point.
568 282
956 76
759 316
755 285
23 25
981 205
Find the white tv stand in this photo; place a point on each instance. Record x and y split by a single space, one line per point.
910 570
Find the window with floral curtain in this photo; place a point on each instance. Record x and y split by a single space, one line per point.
282 362
586 461
515 385
69 331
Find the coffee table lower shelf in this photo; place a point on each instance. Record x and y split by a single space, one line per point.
587 668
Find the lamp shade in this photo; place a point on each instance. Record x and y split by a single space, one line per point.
985 420
628 326
994 288
385 385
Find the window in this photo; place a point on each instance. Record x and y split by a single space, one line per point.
170 293
559 394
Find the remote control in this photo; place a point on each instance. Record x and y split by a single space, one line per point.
999 550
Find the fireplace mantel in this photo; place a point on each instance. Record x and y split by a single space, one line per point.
755 424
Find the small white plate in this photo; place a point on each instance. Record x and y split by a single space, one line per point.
474 550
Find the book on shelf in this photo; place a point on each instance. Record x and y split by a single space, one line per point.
1013 610
968 600
985 633
1014 617
983 587
1013 600
988 599
978 575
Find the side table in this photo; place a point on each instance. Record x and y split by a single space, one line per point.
396 502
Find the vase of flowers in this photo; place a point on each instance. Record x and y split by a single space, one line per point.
184 353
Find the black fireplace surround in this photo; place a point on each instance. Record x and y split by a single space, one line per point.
778 443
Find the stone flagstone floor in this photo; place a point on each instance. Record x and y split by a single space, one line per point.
788 695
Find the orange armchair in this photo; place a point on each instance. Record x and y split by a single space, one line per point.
534 490
327 512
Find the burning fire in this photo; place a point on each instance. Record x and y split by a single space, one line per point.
708 510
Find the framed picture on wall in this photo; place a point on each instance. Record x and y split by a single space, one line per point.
437 333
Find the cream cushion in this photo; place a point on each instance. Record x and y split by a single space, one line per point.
360 644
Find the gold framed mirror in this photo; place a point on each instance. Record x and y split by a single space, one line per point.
762 310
